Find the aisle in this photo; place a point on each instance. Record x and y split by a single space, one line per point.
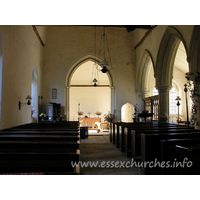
97 150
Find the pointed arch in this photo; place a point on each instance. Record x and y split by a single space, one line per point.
194 50
69 77
166 56
142 74
145 64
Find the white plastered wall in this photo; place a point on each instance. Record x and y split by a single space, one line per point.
66 46
21 52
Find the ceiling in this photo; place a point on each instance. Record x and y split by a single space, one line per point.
127 27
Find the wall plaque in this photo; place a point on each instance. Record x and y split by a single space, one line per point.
54 93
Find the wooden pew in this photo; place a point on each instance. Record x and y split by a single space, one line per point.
193 160
113 132
151 147
70 126
123 132
39 137
39 132
135 145
168 152
132 140
51 163
36 155
51 147
117 143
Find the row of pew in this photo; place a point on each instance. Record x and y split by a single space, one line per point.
159 148
47 148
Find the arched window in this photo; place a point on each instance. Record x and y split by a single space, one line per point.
1 65
34 94
172 96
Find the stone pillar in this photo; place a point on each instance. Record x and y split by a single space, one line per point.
67 104
163 107
140 101
113 100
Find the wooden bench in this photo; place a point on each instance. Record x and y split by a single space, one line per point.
168 152
135 141
15 162
38 156
192 155
151 147
47 126
36 147
120 131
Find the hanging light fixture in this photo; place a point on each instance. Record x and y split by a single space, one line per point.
95 76
104 63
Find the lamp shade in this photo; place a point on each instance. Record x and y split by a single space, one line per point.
178 98
28 97
104 62
95 80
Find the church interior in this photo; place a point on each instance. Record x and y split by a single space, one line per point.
66 90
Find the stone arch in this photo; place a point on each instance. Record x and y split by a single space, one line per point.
194 55
142 74
69 77
166 56
165 65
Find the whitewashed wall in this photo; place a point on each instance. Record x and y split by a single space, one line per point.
66 45
91 100
21 52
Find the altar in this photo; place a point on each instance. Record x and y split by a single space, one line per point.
89 122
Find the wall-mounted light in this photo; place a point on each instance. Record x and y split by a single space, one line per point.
28 102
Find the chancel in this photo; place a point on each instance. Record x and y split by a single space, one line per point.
128 115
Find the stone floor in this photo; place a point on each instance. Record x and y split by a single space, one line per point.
110 160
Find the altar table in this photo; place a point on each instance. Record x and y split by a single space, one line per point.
90 122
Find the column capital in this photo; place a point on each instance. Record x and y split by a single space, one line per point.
163 87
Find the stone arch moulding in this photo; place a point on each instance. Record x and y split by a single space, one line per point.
194 50
141 73
166 56
69 77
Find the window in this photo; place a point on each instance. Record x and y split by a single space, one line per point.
172 96
155 92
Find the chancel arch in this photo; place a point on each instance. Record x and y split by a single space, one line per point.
80 91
